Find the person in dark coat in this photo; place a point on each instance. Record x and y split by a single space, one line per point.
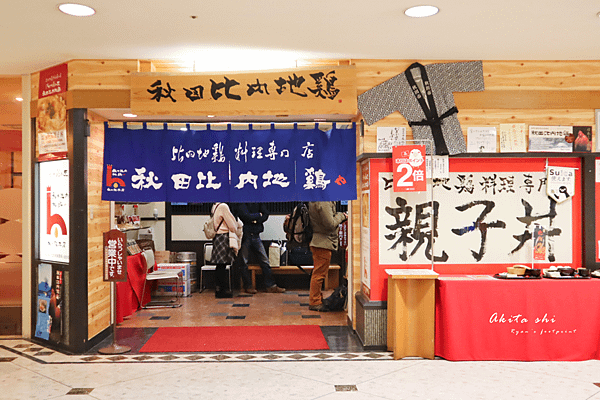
253 215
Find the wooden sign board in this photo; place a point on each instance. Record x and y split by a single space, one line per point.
115 256
326 90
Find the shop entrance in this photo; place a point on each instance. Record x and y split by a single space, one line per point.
174 231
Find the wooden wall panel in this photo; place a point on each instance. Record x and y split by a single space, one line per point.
498 75
478 118
98 223
101 74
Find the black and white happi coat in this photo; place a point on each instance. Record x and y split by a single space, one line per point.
423 95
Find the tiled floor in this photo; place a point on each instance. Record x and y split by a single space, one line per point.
29 371
203 309
261 309
346 371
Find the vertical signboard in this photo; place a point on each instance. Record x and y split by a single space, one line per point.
115 257
53 193
51 118
365 232
409 168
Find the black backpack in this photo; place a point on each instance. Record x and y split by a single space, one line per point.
338 299
298 228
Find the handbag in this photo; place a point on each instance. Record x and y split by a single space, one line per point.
209 226
235 238
300 256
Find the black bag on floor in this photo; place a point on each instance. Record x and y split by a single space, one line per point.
338 299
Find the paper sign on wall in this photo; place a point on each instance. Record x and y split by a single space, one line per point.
409 172
481 139
561 183
388 137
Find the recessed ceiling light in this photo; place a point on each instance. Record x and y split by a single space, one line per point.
210 116
18 98
421 11
77 10
129 115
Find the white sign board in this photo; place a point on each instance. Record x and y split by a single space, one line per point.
53 193
483 218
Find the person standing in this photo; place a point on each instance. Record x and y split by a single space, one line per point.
325 221
222 254
254 215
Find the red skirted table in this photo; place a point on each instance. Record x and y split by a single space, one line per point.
532 320
129 293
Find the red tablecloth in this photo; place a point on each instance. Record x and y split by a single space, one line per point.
532 320
129 293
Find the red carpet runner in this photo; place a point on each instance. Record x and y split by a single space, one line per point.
236 338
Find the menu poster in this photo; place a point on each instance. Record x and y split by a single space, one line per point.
582 139
388 137
512 138
550 139
51 118
481 140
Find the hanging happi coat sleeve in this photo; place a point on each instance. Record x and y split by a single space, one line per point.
382 100
460 76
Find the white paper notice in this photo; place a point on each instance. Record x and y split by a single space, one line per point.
598 171
438 167
512 138
481 140
550 139
388 137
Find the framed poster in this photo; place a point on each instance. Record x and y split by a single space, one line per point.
54 194
484 216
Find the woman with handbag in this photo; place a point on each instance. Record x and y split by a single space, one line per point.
223 254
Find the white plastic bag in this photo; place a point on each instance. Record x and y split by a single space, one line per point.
274 254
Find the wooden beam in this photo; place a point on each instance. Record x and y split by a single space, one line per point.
528 99
117 98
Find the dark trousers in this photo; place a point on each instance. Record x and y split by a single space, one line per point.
221 281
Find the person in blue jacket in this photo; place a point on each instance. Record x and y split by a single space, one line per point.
253 215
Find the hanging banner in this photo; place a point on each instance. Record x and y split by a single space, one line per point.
409 168
261 163
539 243
560 183
326 163
51 119
267 162
301 91
198 165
